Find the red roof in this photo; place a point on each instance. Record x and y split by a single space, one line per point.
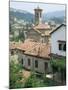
34 48
39 49
42 26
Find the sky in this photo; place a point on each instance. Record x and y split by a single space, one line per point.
28 6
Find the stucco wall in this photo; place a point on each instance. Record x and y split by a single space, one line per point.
32 67
60 34
33 35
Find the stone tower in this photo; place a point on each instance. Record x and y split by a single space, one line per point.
38 15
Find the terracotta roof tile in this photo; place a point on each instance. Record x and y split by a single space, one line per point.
47 33
34 48
40 49
42 26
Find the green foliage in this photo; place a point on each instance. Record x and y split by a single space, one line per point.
54 66
33 81
15 75
21 36
59 63
16 39
27 17
49 82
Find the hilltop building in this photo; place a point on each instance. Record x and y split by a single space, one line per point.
40 42
44 42
40 32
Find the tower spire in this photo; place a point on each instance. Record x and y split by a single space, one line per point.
38 15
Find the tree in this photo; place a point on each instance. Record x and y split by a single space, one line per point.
21 36
33 81
15 75
59 65
30 81
54 67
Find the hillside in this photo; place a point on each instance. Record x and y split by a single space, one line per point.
21 14
57 16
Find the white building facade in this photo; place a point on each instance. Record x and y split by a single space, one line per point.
58 40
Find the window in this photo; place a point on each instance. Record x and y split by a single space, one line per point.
12 53
37 15
36 63
40 14
62 46
22 60
28 62
45 65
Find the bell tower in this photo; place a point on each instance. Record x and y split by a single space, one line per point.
38 15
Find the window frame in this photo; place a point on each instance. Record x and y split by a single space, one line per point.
62 48
29 62
22 61
36 63
45 65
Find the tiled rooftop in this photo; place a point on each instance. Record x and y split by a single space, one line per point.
34 48
39 49
42 26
